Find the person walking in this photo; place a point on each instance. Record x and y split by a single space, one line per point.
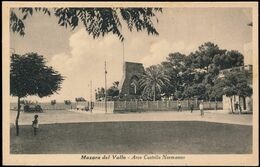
201 108
179 106
35 124
191 107
236 106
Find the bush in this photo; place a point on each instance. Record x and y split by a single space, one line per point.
38 108
26 108
32 108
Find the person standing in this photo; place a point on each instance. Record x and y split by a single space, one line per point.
179 106
35 124
201 108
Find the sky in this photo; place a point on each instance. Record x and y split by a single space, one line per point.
80 58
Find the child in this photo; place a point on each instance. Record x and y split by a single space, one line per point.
201 108
35 124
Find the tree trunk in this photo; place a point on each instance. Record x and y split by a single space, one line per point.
244 103
231 103
17 118
239 105
154 96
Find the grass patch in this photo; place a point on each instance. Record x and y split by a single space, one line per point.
168 137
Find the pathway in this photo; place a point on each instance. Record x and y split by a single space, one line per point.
63 116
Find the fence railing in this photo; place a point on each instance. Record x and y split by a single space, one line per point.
100 107
120 106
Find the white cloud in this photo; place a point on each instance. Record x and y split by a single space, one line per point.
85 62
158 52
161 49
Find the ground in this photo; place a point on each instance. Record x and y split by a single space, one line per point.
64 132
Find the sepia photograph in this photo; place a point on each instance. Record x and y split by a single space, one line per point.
127 83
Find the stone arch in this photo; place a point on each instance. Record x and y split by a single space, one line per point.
134 85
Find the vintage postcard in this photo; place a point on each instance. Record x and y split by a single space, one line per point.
130 83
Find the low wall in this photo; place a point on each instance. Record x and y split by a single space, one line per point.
48 106
122 106
246 106
99 107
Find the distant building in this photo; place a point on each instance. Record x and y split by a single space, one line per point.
248 68
246 104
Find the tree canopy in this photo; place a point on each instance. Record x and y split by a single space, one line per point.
97 21
67 102
29 75
80 99
193 75
113 91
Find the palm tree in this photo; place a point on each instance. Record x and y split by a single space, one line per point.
116 84
154 80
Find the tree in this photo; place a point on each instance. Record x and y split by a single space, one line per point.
113 91
53 102
153 80
174 66
29 75
80 99
97 21
100 93
68 102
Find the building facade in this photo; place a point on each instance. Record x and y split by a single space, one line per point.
245 103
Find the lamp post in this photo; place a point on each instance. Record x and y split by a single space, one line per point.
123 58
105 88
90 85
